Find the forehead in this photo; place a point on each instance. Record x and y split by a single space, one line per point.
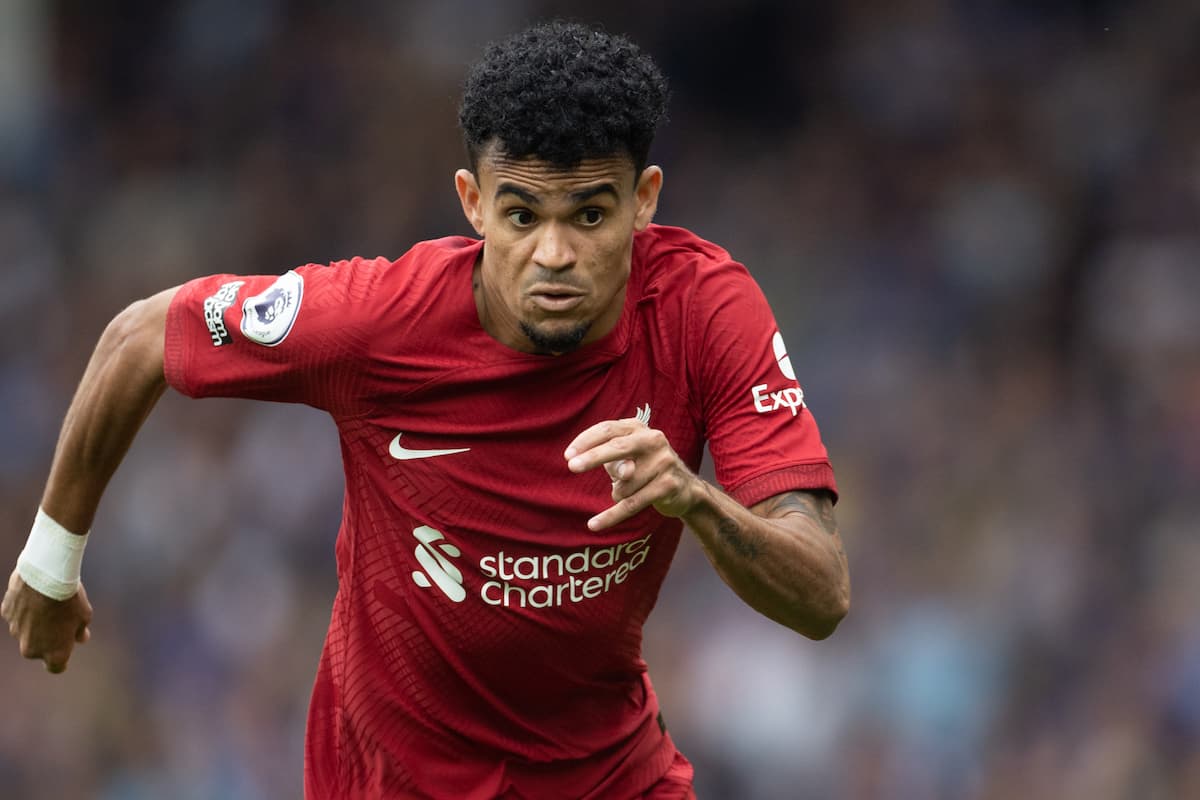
548 180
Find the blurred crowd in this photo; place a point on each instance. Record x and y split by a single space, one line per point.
978 225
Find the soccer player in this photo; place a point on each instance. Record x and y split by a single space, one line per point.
521 418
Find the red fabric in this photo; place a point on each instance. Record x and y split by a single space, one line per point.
676 784
483 642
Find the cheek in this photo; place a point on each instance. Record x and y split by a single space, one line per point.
513 247
504 270
506 253
612 264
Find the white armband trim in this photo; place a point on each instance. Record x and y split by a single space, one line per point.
51 559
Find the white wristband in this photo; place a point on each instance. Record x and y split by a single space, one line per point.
51 559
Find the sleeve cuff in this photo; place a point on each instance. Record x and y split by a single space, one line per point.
818 475
176 350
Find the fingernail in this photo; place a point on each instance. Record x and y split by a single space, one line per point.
575 463
571 453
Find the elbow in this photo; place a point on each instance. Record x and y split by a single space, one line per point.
824 621
824 627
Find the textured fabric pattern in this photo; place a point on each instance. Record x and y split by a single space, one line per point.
483 642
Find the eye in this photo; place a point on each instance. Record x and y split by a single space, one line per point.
591 217
521 217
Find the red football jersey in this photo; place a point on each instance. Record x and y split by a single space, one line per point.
484 643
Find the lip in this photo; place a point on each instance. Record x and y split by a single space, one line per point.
555 297
553 301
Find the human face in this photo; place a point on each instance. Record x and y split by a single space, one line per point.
557 246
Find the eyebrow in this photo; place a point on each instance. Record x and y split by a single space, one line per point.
587 194
580 196
513 189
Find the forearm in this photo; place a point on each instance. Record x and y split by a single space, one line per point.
784 558
122 382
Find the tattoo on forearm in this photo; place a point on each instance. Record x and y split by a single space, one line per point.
817 507
735 537
828 520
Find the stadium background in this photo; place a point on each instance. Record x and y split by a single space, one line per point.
978 227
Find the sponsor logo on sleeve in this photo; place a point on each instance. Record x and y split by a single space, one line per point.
214 311
781 356
267 318
767 399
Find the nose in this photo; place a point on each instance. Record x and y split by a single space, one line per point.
554 249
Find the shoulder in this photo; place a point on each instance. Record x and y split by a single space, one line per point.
676 262
426 256
666 244
385 281
444 250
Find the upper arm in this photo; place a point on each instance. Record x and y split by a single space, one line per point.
137 332
300 337
762 437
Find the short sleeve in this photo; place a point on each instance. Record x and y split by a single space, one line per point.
297 337
761 435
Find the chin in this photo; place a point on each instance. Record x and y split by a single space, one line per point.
557 338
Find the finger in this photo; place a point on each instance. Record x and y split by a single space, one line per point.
620 469
83 634
637 497
56 663
10 596
663 487
634 443
599 433
27 649
612 451
632 483
623 509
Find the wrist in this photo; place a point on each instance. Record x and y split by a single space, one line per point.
52 558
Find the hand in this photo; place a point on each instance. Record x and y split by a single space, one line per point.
644 469
45 628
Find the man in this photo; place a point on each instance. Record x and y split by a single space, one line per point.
521 418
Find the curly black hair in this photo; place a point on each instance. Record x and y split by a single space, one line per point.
562 92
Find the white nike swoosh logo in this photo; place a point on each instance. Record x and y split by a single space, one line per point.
404 454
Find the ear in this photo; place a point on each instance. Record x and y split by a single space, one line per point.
470 197
646 192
